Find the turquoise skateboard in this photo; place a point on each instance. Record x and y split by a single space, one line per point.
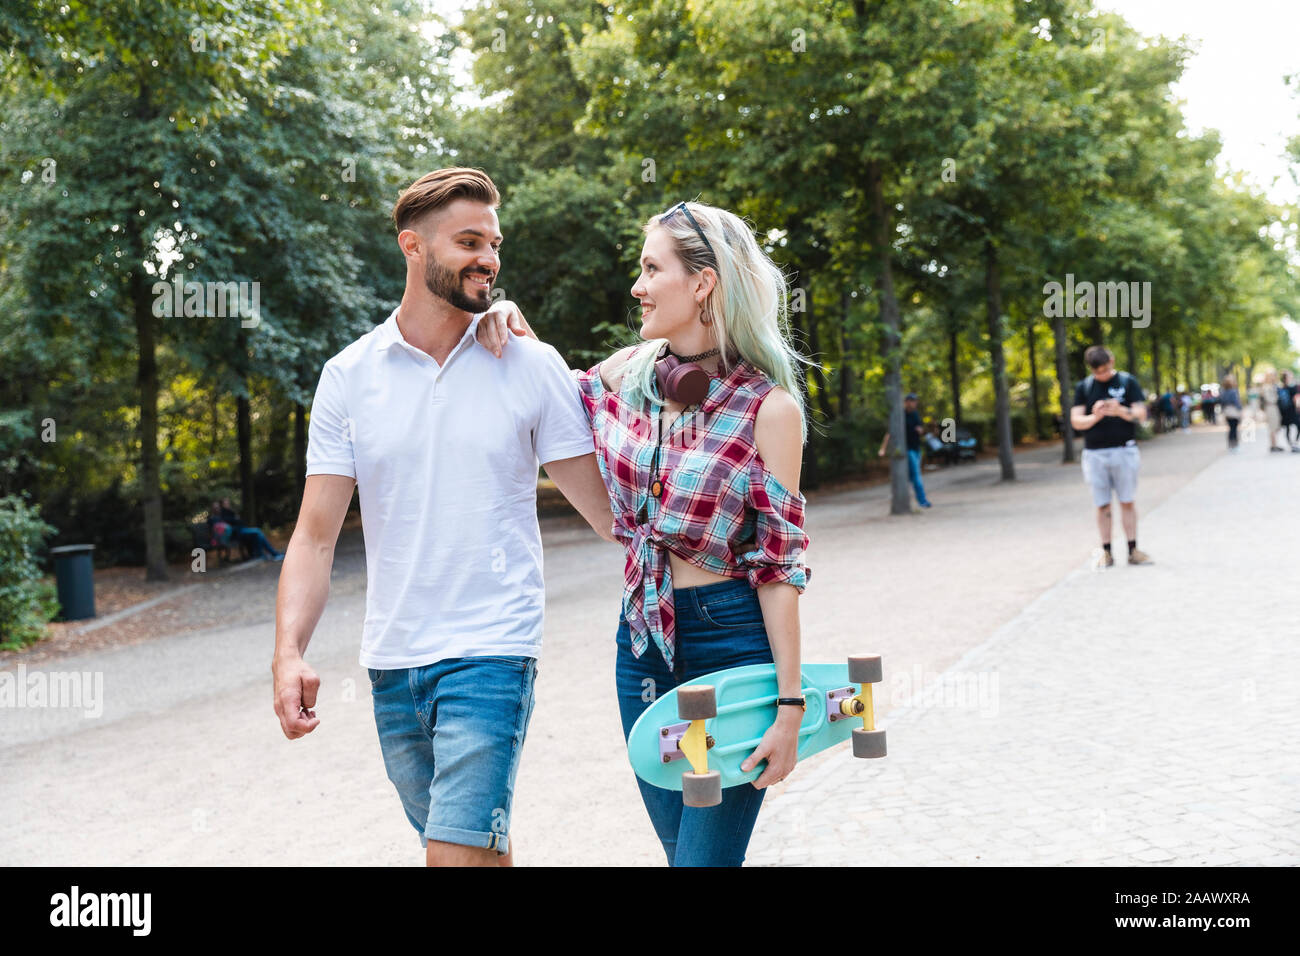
696 736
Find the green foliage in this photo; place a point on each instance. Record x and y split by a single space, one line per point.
273 152
27 601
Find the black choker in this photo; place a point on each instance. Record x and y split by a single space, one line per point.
693 358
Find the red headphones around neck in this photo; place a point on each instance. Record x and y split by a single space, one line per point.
680 379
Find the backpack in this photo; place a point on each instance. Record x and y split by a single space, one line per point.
1121 377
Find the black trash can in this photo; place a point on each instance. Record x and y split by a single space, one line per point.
74 574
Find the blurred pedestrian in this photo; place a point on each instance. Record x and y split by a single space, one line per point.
912 429
1286 406
252 538
1230 398
1268 396
1107 406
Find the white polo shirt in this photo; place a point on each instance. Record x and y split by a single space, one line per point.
445 460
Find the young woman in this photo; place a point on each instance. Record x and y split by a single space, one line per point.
705 496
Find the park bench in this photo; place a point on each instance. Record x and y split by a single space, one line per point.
203 539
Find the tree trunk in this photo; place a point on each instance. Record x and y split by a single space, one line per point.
1155 362
993 294
1033 380
899 501
1065 384
1153 406
277 441
953 371
809 329
1131 348
214 430
155 551
846 367
1095 331
247 498
146 329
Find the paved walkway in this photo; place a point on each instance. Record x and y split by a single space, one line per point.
1117 730
1144 715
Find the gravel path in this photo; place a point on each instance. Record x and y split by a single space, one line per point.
186 763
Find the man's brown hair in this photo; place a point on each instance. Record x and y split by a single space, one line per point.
437 189
1097 356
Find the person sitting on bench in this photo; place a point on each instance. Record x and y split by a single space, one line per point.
253 538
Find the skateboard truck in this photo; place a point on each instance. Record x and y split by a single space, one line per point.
670 741
843 703
864 669
696 703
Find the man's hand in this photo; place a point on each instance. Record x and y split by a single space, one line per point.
498 322
1099 407
296 686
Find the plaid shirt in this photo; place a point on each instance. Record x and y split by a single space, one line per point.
720 507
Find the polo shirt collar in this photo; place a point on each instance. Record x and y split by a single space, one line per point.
391 334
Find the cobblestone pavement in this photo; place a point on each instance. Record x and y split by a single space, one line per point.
1149 742
1134 716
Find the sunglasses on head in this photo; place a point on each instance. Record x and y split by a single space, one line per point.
694 225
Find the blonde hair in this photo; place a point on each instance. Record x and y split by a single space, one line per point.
749 302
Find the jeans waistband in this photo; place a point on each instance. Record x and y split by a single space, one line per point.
690 602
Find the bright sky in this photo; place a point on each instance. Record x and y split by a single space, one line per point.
1235 81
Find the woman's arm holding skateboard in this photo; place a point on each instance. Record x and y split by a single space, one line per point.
778 438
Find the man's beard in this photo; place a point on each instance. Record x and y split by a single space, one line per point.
449 285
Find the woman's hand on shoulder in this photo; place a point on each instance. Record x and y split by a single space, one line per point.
497 324
778 436
611 370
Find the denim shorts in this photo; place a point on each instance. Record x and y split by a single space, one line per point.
718 626
1108 470
451 733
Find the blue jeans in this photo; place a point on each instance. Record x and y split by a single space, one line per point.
718 626
257 543
914 475
451 733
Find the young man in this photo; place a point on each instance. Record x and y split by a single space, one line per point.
1106 405
912 429
442 441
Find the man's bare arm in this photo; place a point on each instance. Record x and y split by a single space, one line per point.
1081 420
304 588
579 481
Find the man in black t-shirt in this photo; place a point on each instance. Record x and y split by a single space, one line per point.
912 430
1286 394
1107 406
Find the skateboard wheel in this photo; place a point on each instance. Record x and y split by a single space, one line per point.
702 789
868 743
696 702
865 668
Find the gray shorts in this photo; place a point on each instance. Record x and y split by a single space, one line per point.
1111 469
